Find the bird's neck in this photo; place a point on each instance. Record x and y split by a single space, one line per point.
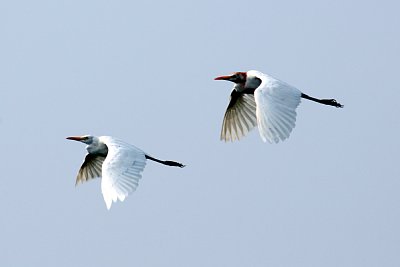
97 148
253 83
244 90
248 88
239 87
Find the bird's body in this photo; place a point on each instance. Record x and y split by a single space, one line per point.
258 99
118 163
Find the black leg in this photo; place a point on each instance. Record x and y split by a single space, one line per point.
329 102
166 162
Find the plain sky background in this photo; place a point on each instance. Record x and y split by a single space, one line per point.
143 72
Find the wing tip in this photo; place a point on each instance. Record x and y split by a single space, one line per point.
108 204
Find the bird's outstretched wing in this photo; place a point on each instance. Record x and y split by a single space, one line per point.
122 169
90 169
276 109
240 116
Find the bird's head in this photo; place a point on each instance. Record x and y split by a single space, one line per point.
87 139
249 80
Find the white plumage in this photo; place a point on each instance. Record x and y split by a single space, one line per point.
119 164
239 119
258 99
276 108
121 171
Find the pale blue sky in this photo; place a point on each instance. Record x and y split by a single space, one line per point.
143 72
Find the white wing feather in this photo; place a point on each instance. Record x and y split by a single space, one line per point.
239 119
276 108
121 171
90 169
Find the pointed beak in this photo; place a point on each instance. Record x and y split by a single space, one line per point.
75 138
226 78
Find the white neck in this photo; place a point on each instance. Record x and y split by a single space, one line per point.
97 147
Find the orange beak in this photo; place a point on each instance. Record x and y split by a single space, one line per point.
226 78
75 138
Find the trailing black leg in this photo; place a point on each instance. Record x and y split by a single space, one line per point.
166 162
329 102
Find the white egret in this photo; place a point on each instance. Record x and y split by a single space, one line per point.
258 99
118 163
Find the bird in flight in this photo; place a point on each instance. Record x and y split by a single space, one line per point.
257 99
118 163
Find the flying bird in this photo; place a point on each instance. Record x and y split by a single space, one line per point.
118 163
257 99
